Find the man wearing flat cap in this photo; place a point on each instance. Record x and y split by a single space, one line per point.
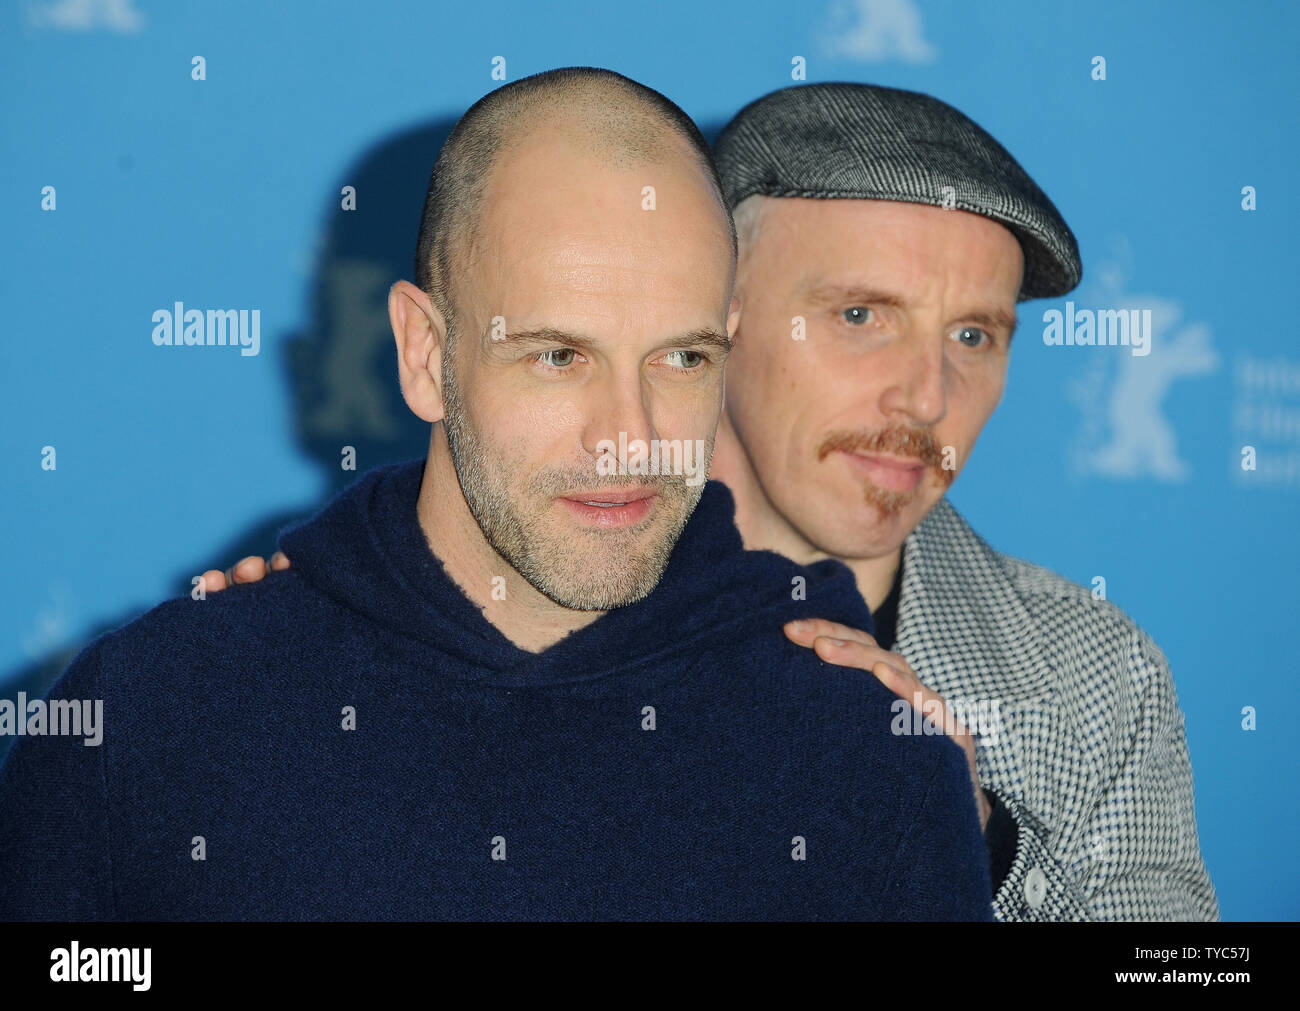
885 241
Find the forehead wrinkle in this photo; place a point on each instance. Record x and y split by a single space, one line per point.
829 293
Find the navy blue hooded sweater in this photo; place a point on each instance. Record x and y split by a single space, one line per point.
675 759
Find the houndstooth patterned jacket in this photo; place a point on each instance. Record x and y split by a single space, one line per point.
1089 757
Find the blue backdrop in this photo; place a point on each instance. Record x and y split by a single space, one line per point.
159 152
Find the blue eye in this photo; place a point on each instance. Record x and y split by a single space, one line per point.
687 359
564 353
970 336
857 314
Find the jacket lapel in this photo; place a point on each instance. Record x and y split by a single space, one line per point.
961 623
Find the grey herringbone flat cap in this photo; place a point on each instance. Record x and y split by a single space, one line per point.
861 141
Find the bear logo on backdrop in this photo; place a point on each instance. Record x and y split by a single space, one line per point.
1126 432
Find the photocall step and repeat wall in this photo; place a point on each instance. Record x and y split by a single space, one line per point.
262 167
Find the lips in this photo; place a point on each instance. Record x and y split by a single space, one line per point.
614 495
610 508
895 473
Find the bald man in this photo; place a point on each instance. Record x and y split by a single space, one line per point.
534 675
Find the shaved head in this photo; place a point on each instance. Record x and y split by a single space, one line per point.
574 293
610 116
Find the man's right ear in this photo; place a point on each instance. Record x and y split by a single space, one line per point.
733 317
421 335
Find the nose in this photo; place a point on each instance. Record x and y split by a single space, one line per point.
914 391
618 405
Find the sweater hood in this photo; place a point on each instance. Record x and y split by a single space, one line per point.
367 551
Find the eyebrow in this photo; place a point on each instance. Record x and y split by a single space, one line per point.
834 294
550 335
